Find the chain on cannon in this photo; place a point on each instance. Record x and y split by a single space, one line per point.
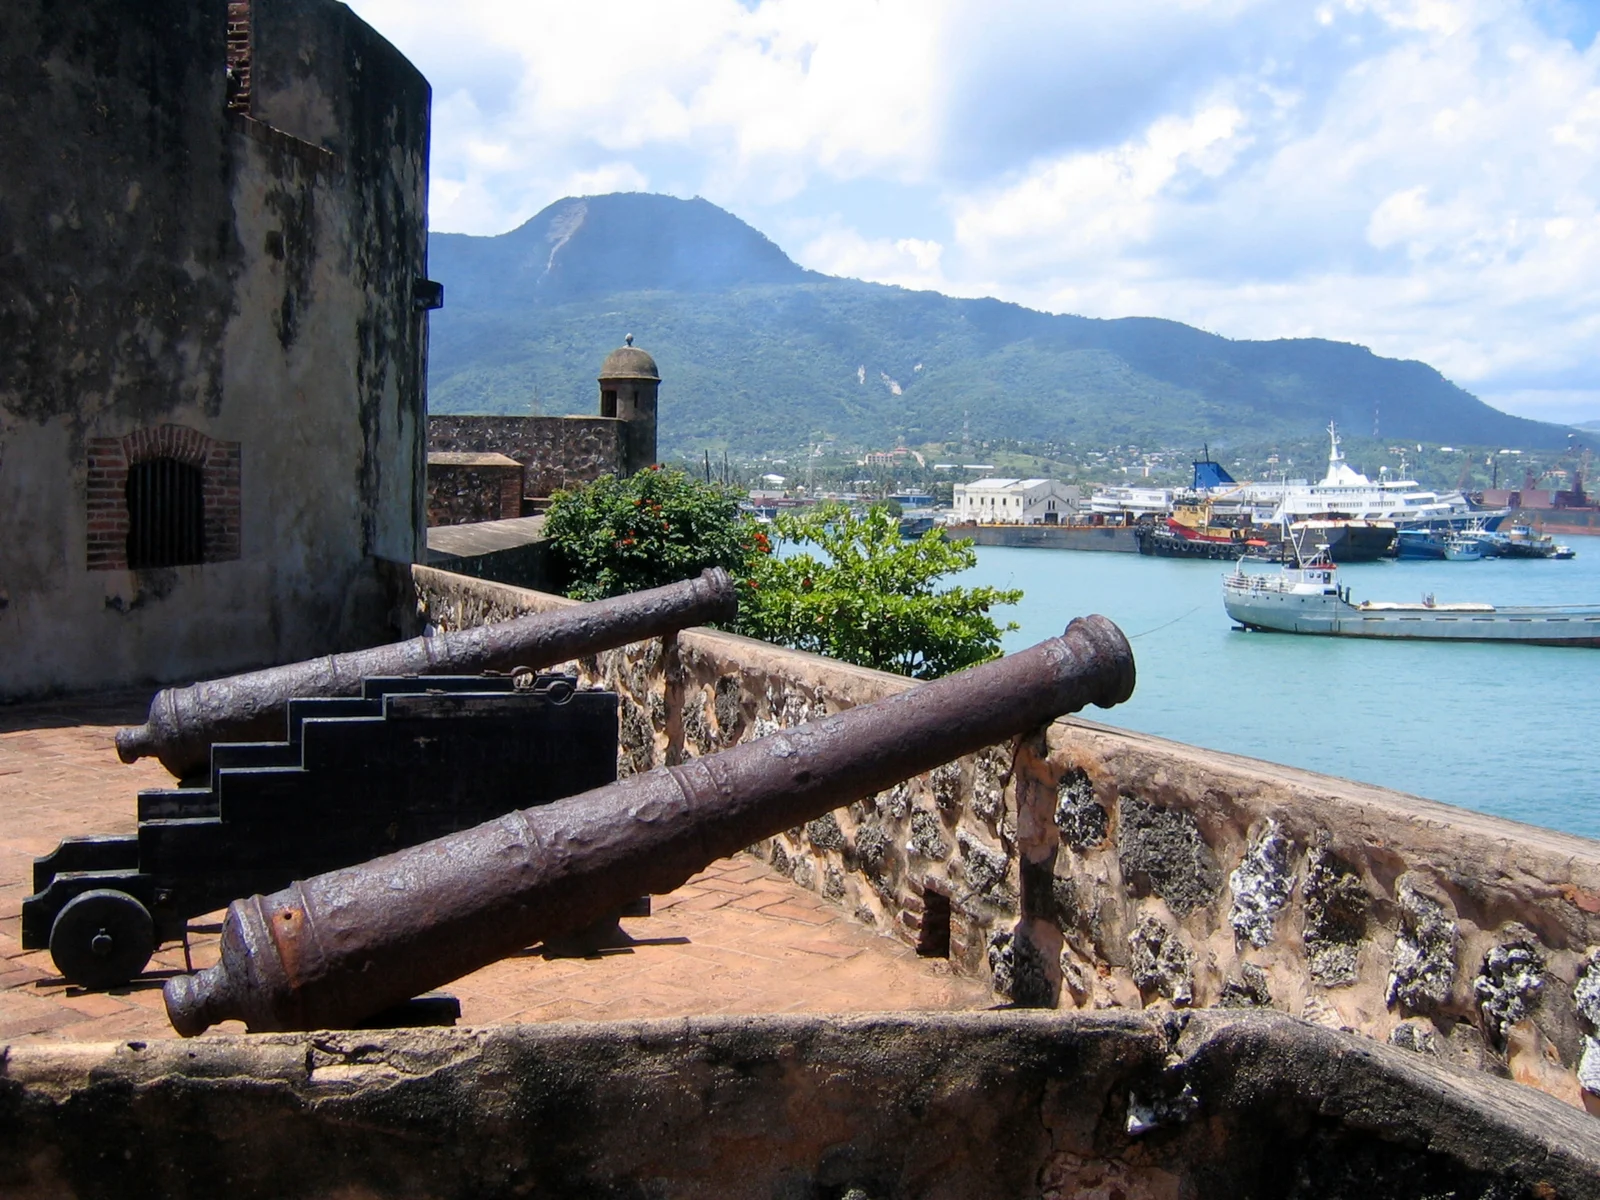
333 950
184 722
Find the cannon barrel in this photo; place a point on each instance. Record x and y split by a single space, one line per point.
331 951
184 722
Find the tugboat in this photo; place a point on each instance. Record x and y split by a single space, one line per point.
1192 531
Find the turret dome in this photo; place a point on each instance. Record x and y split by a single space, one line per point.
629 362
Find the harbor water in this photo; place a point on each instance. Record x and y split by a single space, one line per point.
1504 729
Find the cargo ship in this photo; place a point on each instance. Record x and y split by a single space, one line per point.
1309 599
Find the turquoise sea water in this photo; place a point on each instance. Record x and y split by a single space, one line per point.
1509 730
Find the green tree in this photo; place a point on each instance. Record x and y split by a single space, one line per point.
869 597
654 528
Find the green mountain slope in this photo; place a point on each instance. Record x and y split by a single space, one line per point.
758 354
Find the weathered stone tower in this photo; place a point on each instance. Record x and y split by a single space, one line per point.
628 385
213 336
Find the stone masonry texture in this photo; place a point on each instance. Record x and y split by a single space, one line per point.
464 492
555 452
217 273
1156 876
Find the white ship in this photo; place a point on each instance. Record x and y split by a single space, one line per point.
1346 493
1343 494
1131 503
1309 599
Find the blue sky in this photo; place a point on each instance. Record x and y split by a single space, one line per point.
1420 176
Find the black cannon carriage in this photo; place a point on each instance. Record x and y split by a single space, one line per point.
409 760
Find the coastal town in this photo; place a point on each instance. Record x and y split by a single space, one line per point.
1358 518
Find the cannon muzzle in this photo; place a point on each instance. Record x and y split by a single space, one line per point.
330 951
184 722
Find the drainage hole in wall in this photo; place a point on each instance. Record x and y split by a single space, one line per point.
934 940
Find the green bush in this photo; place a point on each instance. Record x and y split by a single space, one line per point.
653 528
866 596
870 599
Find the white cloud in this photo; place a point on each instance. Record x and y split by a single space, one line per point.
749 102
907 262
1095 206
1417 175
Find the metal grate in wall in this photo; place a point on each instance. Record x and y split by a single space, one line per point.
166 514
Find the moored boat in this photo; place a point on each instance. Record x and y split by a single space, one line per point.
1192 531
1310 599
1462 548
1162 542
1347 493
1521 542
1424 544
1346 540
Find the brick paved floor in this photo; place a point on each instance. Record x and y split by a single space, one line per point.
736 938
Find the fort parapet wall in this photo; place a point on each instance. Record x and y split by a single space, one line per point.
968 1106
555 452
1093 868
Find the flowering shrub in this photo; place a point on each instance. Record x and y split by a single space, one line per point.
653 528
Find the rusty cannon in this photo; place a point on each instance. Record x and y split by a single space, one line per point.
333 950
184 722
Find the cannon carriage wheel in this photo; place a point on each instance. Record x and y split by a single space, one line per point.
102 938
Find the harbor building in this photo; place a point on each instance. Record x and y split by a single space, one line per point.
1015 502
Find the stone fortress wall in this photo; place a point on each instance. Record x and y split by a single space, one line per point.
209 296
555 452
465 489
1087 867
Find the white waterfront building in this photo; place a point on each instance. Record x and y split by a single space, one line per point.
1014 502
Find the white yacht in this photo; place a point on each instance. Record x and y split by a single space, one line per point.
1347 494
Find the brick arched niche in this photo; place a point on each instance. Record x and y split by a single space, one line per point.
110 460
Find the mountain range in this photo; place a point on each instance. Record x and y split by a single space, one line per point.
756 353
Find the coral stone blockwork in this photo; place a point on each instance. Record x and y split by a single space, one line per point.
555 452
106 508
467 487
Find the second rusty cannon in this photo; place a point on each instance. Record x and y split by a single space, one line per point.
409 760
185 722
331 951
